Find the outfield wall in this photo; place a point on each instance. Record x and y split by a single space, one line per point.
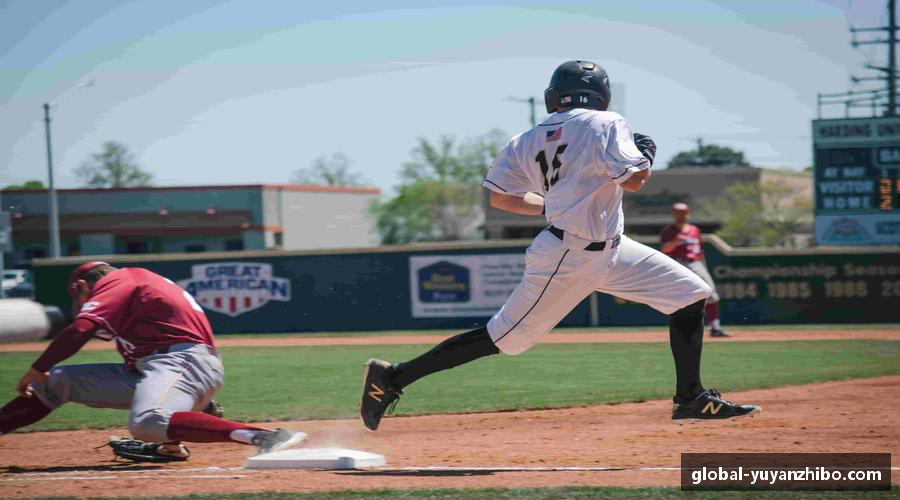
459 285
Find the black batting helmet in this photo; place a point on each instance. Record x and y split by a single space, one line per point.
578 84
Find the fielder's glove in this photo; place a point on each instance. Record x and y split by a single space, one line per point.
646 145
140 451
215 409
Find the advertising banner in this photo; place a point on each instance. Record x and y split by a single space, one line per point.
235 288
454 286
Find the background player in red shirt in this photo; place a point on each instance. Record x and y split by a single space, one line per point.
682 242
171 368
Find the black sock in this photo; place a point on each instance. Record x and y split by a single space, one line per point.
686 339
450 353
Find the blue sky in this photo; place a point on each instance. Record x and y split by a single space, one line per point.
248 91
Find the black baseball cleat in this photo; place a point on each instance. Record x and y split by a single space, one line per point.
280 439
718 332
378 393
710 405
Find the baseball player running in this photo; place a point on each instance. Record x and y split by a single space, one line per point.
171 367
573 168
682 242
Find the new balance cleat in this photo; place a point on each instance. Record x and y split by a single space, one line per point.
378 393
710 405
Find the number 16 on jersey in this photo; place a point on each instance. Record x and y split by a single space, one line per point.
550 176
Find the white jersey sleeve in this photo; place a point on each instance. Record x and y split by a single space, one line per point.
618 156
508 176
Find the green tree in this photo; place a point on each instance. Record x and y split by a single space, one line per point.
113 167
439 196
753 214
330 171
35 185
709 155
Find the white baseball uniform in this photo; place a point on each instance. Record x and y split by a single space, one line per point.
577 160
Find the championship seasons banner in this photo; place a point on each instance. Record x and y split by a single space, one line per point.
454 286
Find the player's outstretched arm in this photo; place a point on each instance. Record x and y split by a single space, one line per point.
530 204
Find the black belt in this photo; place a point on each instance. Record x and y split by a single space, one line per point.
166 349
595 246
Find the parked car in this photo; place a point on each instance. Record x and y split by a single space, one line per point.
18 283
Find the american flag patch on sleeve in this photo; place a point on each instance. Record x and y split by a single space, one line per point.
554 135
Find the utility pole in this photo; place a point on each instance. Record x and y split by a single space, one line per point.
698 158
51 189
889 70
532 102
892 58
531 107
3 244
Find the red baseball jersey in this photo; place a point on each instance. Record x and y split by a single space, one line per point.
690 248
144 311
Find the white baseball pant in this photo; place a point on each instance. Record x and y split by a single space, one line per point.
559 274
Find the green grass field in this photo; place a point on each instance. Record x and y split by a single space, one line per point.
268 383
598 329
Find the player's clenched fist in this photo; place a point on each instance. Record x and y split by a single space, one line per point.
30 377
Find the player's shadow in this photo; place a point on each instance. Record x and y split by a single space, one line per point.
13 469
420 473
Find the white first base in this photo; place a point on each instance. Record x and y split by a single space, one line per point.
316 458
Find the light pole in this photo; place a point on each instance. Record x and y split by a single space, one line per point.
3 245
51 189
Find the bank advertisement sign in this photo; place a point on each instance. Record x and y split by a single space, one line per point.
454 286
235 288
857 181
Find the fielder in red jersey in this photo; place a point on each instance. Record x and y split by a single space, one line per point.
171 369
682 242
142 312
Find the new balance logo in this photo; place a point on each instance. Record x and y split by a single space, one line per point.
378 392
710 408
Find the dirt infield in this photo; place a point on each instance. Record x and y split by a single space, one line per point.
479 449
554 338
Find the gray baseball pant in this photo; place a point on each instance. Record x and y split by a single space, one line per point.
184 379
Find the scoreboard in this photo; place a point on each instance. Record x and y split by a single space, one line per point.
857 181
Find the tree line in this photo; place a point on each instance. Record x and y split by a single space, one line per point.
439 194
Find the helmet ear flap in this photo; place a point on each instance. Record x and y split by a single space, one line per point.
606 93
